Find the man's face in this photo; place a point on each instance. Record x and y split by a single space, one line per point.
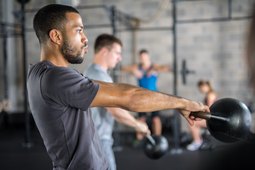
144 58
204 88
114 55
75 43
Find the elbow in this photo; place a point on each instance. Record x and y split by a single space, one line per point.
133 102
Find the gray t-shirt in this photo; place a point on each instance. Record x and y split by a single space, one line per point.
103 120
59 99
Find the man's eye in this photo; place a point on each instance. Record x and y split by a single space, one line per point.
79 30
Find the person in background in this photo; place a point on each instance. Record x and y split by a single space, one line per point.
107 53
146 73
210 97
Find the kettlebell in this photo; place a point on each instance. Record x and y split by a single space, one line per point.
155 146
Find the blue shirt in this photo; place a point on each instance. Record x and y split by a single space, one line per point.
148 80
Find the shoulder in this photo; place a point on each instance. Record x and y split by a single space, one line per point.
65 80
57 78
56 73
97 74
211 94
48 72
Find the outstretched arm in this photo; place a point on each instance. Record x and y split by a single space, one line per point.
128 68
137 99
124 117
133 69
162 68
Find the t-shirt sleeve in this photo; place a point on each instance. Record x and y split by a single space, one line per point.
67 87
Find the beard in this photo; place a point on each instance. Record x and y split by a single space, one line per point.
72 55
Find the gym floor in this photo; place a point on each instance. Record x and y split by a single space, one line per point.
14 156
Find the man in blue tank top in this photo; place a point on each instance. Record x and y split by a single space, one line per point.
147 76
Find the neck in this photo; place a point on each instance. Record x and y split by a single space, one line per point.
146 64
99 60
54 56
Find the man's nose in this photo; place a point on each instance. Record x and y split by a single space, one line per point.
84 39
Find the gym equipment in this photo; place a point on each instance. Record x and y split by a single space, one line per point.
229 120
185 71
155 146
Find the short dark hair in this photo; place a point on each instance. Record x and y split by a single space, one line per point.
105 40
143 51
204 82
50 17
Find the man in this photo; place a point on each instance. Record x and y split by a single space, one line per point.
146 73
60 97
107 49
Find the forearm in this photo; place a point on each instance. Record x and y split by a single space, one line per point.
136 99
143 100
124 117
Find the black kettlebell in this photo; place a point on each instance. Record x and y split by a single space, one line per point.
229 120
155 146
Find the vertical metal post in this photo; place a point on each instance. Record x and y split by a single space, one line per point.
27 142
3 113
176 122
174 48
117 146
134 45
113 20
229 9
5 54
114 31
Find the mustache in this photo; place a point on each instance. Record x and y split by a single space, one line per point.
86 45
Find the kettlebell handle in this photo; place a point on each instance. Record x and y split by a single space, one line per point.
152 141
207 116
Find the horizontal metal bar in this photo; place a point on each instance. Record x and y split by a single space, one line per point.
190 0
92 7
86 27
213 20
146 29
98 26
9 24
10 35
78 7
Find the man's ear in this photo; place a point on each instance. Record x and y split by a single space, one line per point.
105 50
55 36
